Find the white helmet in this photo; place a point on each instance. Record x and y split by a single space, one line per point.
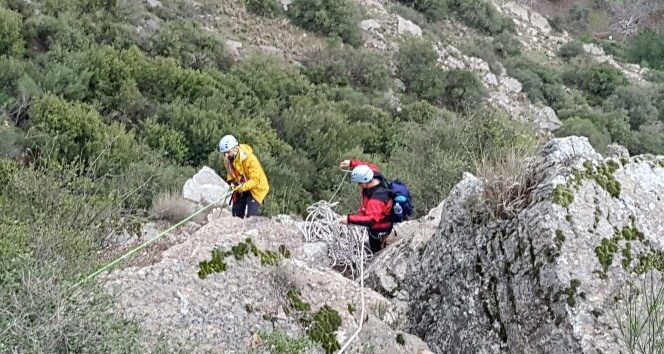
227 142
362 174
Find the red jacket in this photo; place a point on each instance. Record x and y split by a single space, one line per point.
376 203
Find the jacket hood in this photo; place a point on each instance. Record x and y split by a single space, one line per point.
245 151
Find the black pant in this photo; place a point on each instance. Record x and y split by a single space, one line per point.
377 238
244 203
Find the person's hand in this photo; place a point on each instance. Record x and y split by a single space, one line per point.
344 220
345 164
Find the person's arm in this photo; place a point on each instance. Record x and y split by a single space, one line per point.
355 162
373 214
254 174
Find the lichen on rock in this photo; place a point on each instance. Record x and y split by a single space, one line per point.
534 283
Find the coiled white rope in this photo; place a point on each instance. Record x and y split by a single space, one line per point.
345 245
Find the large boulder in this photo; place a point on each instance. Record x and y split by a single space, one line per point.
548 279
206 187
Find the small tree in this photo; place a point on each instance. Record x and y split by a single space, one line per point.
334 18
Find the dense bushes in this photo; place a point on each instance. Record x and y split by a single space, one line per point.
597 80
11 41
647 49
540 83
359 68
571 49
333 18
266 8
476 14
418 69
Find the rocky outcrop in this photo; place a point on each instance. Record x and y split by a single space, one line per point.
206 187
547 279
273 290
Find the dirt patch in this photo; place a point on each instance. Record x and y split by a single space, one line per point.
147 256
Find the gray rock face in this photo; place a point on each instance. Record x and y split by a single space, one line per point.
206 187
536 283
224 312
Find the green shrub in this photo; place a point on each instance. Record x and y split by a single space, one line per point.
614 48
271 81
141 181
11 70
647 48
482 15
416 64
50 239
616 122
333 18
648 139
597 80
382 131
281 343
570 50
636 101
12 140
76 129
540 83
192 46
8 169
557 23
64 32
69 79
420 112
655 76
112 85
170 142
11 41
409 13
265 8
506 44
201 128
599 138
360 68
658 100
462 89
433 10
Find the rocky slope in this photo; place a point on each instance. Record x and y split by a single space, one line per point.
382 28
546 280
228 310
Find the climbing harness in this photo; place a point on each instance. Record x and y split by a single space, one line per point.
144 244
345 244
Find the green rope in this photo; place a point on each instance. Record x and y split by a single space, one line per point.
141 246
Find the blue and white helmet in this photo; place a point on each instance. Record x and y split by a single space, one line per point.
362 174
226 143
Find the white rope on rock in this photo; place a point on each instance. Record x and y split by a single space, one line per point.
345 243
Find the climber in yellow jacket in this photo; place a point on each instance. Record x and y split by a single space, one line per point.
245 172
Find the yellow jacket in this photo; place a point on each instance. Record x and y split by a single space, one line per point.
247 170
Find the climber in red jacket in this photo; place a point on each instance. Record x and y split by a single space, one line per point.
376 202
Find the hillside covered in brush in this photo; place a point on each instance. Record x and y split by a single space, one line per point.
108 106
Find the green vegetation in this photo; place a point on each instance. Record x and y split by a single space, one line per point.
278 342
217 264
104 105
320 326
